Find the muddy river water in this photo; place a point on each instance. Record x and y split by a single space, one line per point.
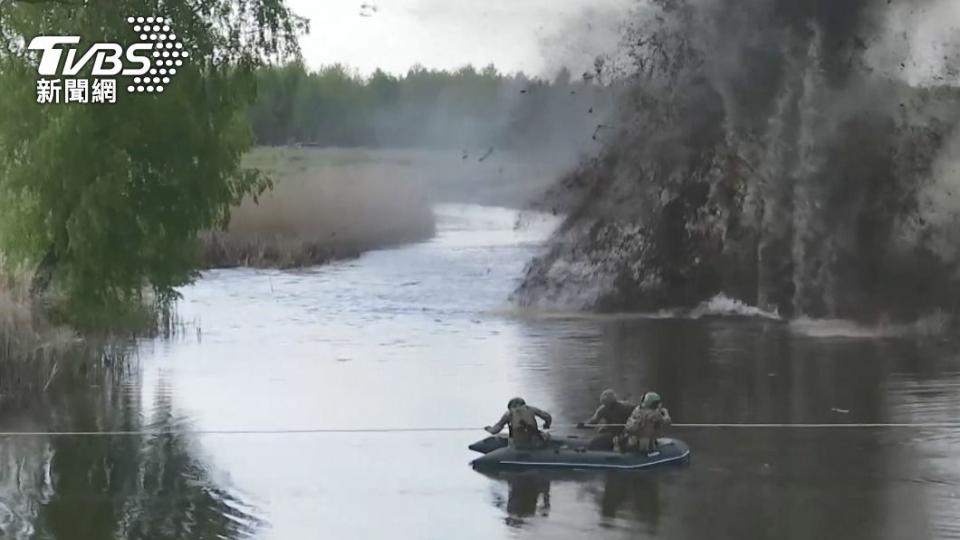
422 336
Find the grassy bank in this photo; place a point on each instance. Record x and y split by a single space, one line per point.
36 335
40 358
325 204
30 346
23 331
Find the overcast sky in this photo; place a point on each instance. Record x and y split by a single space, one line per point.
539 36
534 36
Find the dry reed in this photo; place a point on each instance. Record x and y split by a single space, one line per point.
323 206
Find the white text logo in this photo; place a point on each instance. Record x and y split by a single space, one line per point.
149 64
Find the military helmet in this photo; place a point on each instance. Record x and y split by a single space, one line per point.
650 399
515 402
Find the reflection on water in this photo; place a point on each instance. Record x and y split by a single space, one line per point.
618 497
109 487
608 503
420 336
528 495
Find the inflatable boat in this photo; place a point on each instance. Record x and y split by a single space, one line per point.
496 442
570 452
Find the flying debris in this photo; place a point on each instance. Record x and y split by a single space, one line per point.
792 260
597 130
485 156
368 10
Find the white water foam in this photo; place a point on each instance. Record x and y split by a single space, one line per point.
722 305
718 306
934 324
840 328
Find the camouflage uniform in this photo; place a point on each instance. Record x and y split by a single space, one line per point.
642 429
614 414
522 421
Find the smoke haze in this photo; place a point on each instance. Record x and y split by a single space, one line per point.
794 154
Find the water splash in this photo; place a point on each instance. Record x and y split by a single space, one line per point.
724 306
761 155
933 324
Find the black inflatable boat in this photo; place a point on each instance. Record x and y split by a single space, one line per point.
570 452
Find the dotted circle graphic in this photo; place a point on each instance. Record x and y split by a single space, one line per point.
166 53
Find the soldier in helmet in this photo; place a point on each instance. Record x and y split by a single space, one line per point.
522 422
645 425
609 418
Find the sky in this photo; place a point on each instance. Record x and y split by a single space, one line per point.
540 36
533 36
931 34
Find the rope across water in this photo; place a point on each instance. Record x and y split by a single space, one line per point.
926 425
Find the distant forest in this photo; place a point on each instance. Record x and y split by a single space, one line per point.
334 106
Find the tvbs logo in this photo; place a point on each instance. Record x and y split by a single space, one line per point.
148 64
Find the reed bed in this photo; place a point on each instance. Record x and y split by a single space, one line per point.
323 206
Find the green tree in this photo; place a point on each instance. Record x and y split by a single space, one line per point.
107 200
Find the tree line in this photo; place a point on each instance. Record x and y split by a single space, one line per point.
334 106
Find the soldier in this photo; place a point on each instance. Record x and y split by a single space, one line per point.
644 425
610 419
522 421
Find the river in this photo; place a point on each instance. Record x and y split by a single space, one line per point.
422 336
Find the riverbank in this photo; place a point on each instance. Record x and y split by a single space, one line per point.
22 330
335 203
30 345
324 205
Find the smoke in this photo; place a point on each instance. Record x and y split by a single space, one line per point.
584 36
520 129
499 139
794 154
940 202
